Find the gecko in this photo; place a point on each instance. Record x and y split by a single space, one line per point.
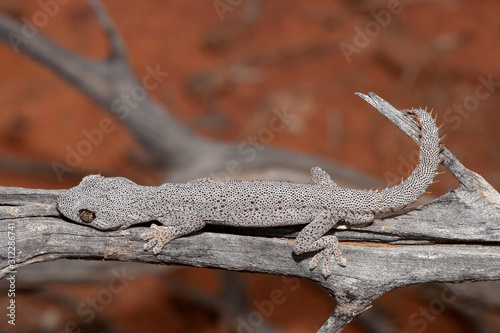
111 203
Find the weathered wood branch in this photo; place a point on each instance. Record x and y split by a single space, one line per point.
453 239
109 82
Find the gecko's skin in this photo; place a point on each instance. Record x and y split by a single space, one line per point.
182 208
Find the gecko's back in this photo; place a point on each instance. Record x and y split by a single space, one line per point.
265 203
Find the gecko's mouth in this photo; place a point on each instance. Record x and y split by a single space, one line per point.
58 200
98 227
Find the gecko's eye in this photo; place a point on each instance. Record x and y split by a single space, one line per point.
86 215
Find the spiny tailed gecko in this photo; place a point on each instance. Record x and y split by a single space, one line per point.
182 208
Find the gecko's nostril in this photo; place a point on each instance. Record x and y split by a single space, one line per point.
86 215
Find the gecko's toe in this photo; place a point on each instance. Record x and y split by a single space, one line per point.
146 236
313 263
149 245
326 269
156 238
157 249
153 244
326 255
326 263
342 262
150 235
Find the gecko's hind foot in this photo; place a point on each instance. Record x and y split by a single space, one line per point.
158 237
326 255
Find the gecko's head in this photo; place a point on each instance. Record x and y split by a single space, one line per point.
100 202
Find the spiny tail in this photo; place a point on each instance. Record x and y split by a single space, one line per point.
413 187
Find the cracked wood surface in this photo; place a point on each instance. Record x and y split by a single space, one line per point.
42 235
452 239
375 266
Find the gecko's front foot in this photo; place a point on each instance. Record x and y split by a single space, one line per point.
326 255
158 237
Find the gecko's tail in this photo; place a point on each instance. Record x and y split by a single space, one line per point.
413 187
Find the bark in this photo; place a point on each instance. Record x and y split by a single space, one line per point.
453 239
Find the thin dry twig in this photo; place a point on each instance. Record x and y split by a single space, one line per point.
453 239
447 240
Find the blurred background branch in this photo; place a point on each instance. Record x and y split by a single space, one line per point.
258 60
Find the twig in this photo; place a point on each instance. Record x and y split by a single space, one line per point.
467 217
177 149
115 40
455 230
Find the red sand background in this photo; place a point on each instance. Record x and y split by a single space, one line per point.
227 74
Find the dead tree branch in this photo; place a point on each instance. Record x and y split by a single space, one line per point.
453 239
110 81
107 82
